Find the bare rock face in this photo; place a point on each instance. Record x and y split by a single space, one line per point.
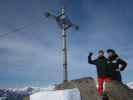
119 91
86 86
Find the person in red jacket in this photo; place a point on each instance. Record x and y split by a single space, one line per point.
101 64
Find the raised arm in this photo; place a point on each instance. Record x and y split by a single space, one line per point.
90 61
123 64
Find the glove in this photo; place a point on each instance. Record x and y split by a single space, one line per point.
90 54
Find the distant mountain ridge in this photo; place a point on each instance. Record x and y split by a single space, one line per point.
20 93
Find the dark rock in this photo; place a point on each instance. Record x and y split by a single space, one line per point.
119 91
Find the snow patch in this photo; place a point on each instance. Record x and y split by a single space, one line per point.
68 94
130 85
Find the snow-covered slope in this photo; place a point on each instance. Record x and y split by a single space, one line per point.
68 94
130 85
36 93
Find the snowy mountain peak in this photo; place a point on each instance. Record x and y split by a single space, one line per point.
20 93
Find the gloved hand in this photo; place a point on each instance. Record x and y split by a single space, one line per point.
90 54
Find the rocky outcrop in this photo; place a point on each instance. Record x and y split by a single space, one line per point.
86 87
119 91
88 91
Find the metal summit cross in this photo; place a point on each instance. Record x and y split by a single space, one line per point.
64 23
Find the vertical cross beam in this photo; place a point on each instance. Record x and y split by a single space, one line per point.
64 50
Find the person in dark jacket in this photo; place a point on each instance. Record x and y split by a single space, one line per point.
115 65
101 65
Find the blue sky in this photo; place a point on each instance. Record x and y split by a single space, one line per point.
33 55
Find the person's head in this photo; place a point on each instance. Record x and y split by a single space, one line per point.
100 53
111 52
